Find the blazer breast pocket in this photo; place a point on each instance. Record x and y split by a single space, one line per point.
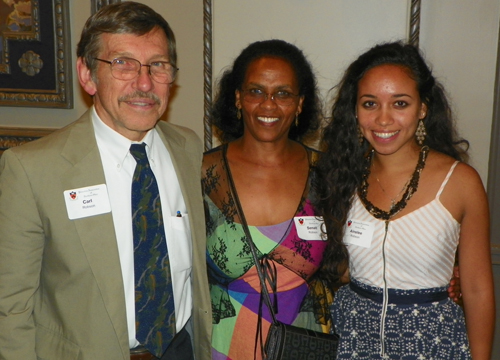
180 244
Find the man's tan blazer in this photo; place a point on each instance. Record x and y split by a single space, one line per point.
61 288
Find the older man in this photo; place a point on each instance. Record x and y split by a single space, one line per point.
102 240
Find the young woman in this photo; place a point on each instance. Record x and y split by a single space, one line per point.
395 189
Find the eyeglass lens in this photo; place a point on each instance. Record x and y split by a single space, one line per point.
279 97
127 69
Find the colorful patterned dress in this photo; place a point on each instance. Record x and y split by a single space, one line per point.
234 283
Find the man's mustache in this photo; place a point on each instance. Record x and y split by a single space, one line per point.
140 94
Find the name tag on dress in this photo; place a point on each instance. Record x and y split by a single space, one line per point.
309 227
87 201
359 233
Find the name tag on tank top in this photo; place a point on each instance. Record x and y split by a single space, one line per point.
358 233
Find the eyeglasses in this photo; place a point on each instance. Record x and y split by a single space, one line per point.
125 68
280 97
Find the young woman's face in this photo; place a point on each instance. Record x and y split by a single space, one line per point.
388 108
269 99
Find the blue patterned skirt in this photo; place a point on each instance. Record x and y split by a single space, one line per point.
423 330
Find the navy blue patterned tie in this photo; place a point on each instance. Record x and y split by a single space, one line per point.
154 297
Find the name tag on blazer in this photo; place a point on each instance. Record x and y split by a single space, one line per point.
87 201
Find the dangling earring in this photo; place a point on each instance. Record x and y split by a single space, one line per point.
421 132
238 113
297 119
361 138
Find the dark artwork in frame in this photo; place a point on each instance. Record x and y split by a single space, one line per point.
96 5
35 54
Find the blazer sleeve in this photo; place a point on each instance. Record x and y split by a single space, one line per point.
21 251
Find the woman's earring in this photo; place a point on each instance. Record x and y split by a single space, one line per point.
238 113
361 138
421 132
297 119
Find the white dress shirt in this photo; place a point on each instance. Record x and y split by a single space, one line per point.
119 166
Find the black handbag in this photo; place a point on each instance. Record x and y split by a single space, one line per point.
287 342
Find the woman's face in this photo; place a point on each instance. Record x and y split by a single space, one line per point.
269 99
388 108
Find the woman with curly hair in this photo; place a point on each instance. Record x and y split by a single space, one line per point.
396 191
267 104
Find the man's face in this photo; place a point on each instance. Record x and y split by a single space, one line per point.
130 107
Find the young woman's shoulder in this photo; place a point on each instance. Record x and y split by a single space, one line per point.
464 190
462 173
467 182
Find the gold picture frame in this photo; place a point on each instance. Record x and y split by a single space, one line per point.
35 54
15 136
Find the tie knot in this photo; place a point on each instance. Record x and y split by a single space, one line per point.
138 151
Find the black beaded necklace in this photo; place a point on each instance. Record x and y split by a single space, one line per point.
410 190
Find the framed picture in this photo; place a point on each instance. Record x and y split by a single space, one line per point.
97 4
35 54
12 136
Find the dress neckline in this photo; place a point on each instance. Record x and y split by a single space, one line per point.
311 162
436 199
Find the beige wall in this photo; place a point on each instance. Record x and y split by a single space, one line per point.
460 38
331 33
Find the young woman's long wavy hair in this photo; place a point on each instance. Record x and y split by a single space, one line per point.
341 166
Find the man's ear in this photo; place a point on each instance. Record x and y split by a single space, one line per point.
85 77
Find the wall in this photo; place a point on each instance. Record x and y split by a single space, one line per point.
331 33
460 38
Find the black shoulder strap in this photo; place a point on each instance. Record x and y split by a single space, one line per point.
258 266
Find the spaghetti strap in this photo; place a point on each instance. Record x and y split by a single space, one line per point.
445 181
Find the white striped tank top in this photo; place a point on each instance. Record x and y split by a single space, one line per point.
418 252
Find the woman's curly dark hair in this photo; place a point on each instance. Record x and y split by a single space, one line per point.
341 166
224 107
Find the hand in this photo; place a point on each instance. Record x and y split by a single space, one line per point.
454 291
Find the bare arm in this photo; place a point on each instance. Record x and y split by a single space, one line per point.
476 276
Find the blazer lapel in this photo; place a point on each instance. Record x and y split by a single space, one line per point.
96 233
182 159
